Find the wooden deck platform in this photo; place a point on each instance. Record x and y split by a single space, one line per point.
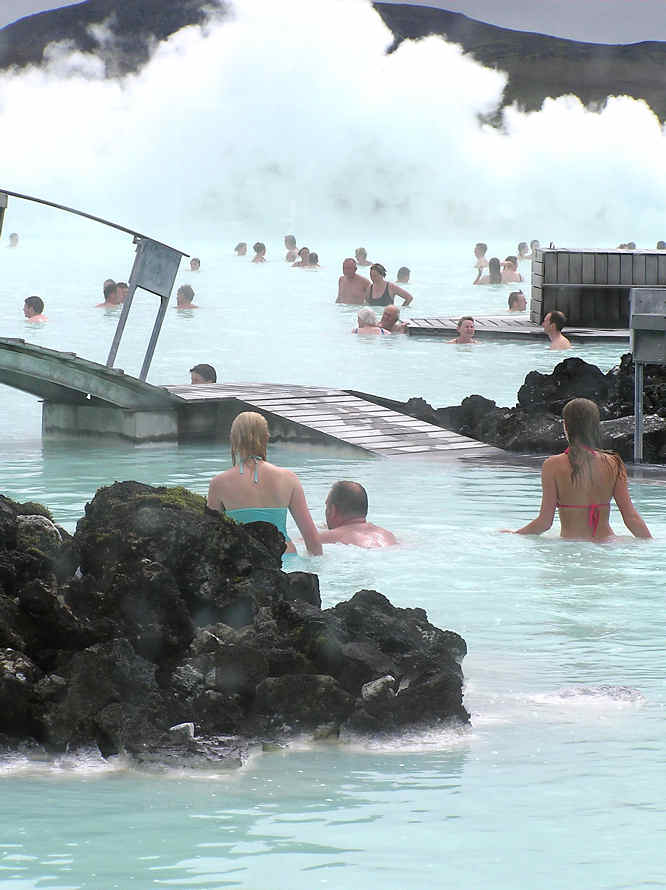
333 416
520 328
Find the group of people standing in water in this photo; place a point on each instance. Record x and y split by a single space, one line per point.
580 483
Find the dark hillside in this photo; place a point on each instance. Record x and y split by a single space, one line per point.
538 66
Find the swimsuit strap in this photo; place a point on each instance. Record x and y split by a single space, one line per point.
256 459
593 513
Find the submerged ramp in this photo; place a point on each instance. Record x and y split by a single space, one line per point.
506 326
333 416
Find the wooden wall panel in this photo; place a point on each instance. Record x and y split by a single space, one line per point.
626 268
588 268
601 268
550 267
638 269
563 267
651 269
661 269
613 268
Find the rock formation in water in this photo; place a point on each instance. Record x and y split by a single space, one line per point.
534 424
170 632
538 66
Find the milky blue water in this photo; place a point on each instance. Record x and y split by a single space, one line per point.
559 780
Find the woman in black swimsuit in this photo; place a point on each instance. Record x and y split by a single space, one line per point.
381 292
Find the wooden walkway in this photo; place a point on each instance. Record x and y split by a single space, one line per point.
505 326
333 416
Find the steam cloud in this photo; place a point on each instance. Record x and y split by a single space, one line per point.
292 115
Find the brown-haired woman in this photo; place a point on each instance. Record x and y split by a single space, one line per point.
582 481
254 490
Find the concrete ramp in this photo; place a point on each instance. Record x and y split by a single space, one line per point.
65 378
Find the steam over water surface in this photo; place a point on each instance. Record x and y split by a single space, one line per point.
559 780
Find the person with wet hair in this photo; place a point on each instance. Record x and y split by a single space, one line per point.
346 518
313 261
361 255
403 275
517 301
33 309
241 248
494 275
259 249
195 264
184 297
290 244
534 246
523 252
480 261
581 483
254 490
466 332
381 292
552 324
123 289
203 374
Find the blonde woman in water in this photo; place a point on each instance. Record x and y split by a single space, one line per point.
581 482
254 490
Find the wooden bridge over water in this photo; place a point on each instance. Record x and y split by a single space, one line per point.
83 398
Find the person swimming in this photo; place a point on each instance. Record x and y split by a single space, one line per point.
581 482
254 490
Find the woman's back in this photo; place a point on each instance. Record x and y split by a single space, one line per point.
585 503
236 488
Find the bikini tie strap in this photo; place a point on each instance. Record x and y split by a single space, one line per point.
241 466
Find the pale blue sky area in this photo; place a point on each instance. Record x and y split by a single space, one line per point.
597 21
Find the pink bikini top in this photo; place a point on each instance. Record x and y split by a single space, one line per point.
593 514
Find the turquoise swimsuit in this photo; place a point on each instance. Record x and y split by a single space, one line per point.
275 515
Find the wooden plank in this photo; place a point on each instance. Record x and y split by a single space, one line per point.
661 269
537 268
562 267
550 267
613 268
575 268
587 271
638 275
601 268
626 268
651 269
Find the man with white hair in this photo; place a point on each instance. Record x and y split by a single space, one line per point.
367 324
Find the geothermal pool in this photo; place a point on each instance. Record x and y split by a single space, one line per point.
559 775
558 782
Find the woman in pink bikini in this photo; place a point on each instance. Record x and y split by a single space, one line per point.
582 481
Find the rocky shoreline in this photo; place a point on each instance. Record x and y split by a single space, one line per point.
170 633
534 424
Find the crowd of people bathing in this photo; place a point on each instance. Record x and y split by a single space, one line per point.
580 483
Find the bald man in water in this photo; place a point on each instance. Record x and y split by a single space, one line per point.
346 512
351 285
